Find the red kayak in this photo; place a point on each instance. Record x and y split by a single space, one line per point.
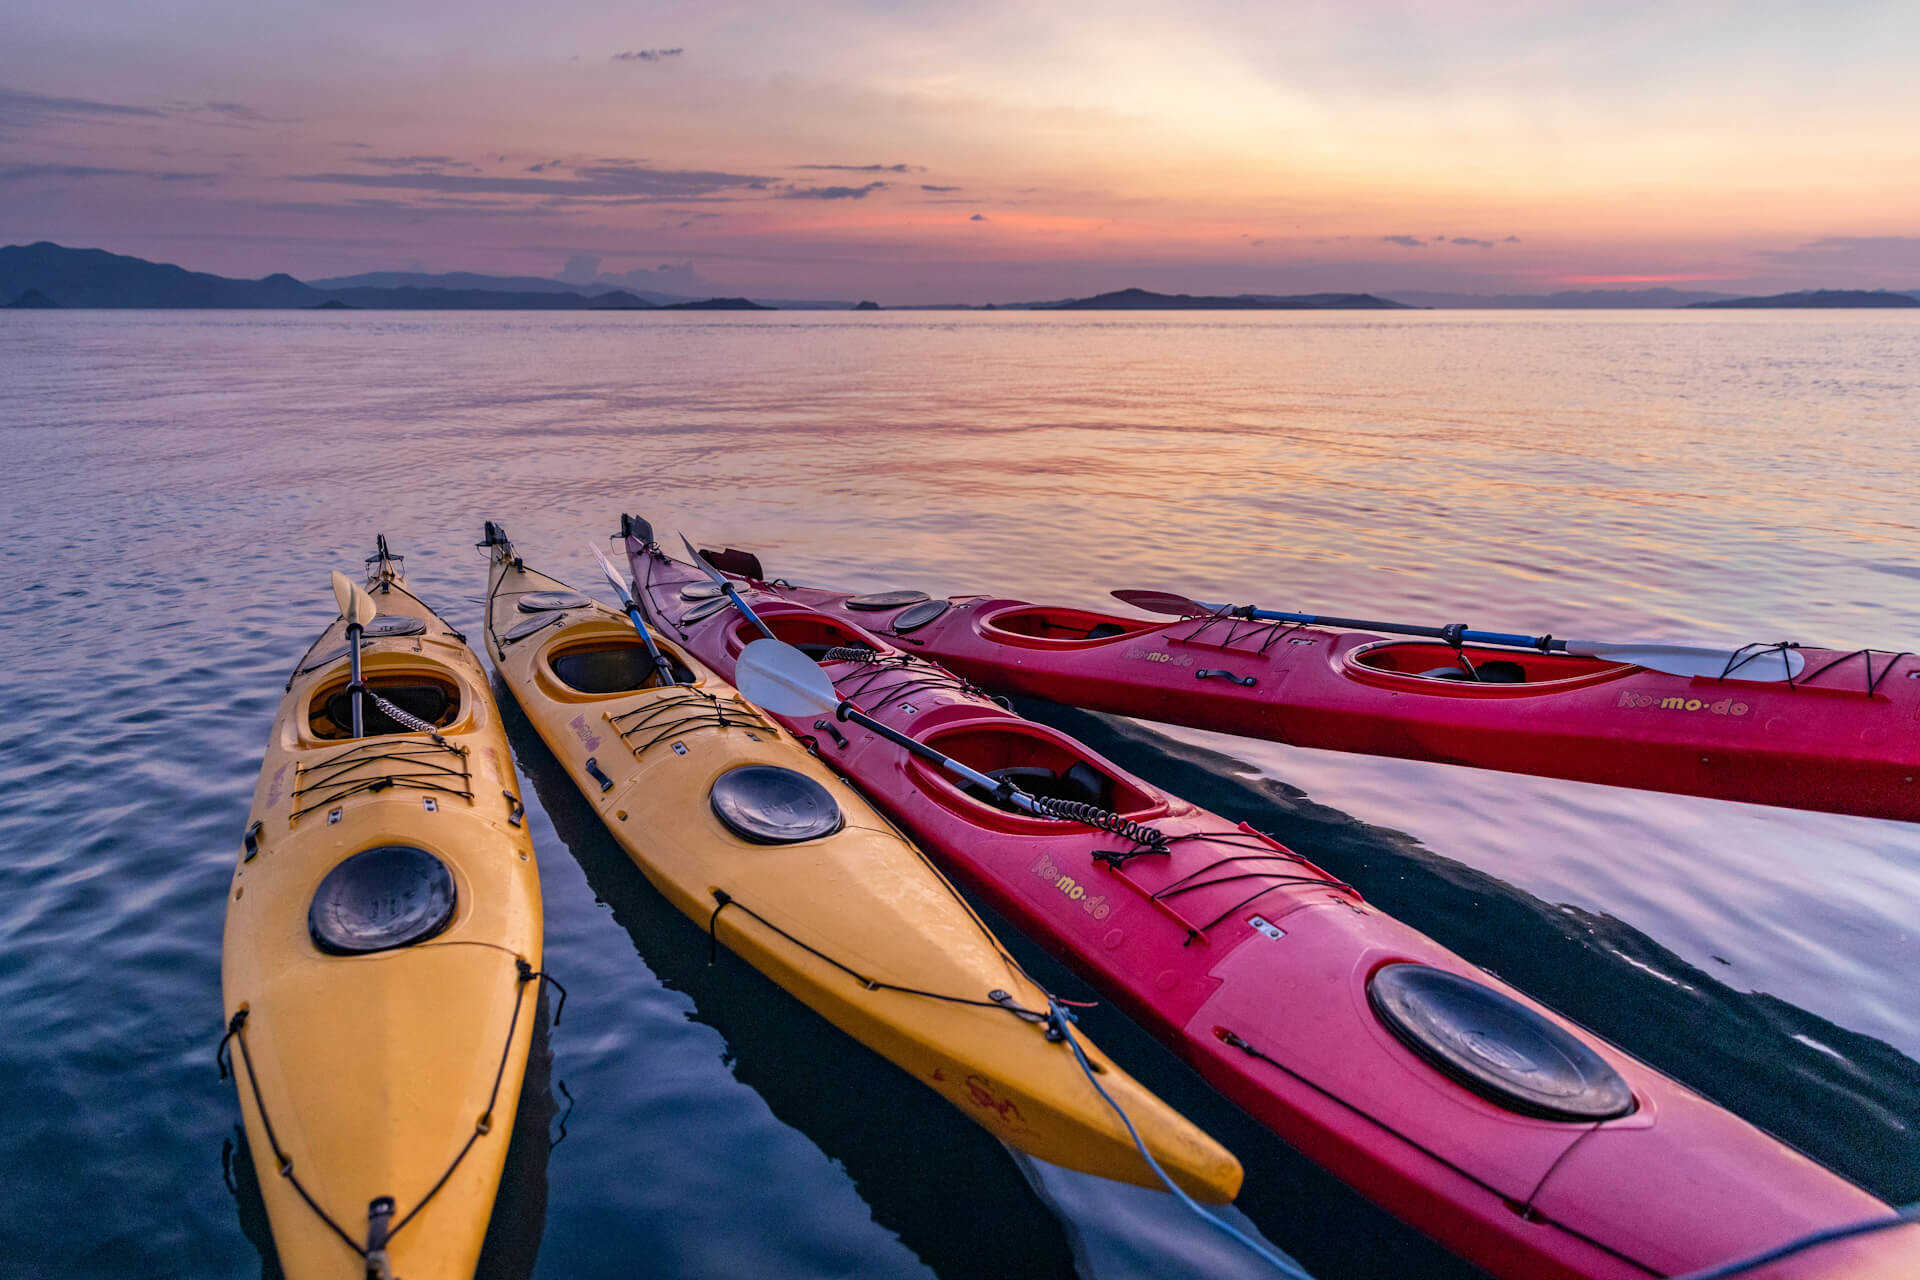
1513 1137
1841 736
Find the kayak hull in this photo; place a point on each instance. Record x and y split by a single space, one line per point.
1842 737
855 923
370 1075
1256 967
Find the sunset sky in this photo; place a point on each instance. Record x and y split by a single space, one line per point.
993 151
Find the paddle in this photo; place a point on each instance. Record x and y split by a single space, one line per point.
1673 659
720 580
660 663
357 607
781 679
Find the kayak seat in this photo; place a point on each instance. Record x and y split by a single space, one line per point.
430 702
1106 630
619 667
1081 783
1496 672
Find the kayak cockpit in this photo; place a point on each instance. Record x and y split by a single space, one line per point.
1046 625
603 665
1427 663
811 633
1034 761
427 696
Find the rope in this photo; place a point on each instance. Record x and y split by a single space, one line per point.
684 710
995 1000
1061 1027
223 1059
1740 1266
333 779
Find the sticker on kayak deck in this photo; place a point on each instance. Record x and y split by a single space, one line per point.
981 1091
1095 905
1647 701
588 737
1159 655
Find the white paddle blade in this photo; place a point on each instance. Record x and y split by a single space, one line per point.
700 562
1763 663
779 678
613 575
355 604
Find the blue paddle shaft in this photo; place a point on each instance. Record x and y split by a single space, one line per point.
1452 635
660 662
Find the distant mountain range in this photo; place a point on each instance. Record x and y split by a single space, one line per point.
46 275
1824 298
1144 300
1565 300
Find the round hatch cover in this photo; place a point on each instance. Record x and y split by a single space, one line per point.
548 601
390 896
1496 1046
527 626
701 591
705 609
770 805
919 616
394 624
885 600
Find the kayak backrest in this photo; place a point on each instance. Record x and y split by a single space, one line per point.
1036 761
1435 661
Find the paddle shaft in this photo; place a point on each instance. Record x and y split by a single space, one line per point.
847 711
744 608
1456 635
354 632
660 663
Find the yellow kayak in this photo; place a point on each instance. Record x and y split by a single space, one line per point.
382 952
745 831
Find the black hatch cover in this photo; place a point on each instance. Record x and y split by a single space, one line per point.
548 601
879 600
770 805
919 615
1496 1046
393 895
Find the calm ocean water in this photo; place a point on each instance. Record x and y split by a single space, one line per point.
178 486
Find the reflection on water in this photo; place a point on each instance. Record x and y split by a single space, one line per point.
182 483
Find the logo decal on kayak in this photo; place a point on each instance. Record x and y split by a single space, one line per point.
1160 655
1644 701
1095 905
587 736
981 1092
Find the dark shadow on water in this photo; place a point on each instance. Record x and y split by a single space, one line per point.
1852 1112
944 1186
519 1209
947 1188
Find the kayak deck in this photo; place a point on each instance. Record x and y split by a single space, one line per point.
1264 973
828 899
1841 736
381 1073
